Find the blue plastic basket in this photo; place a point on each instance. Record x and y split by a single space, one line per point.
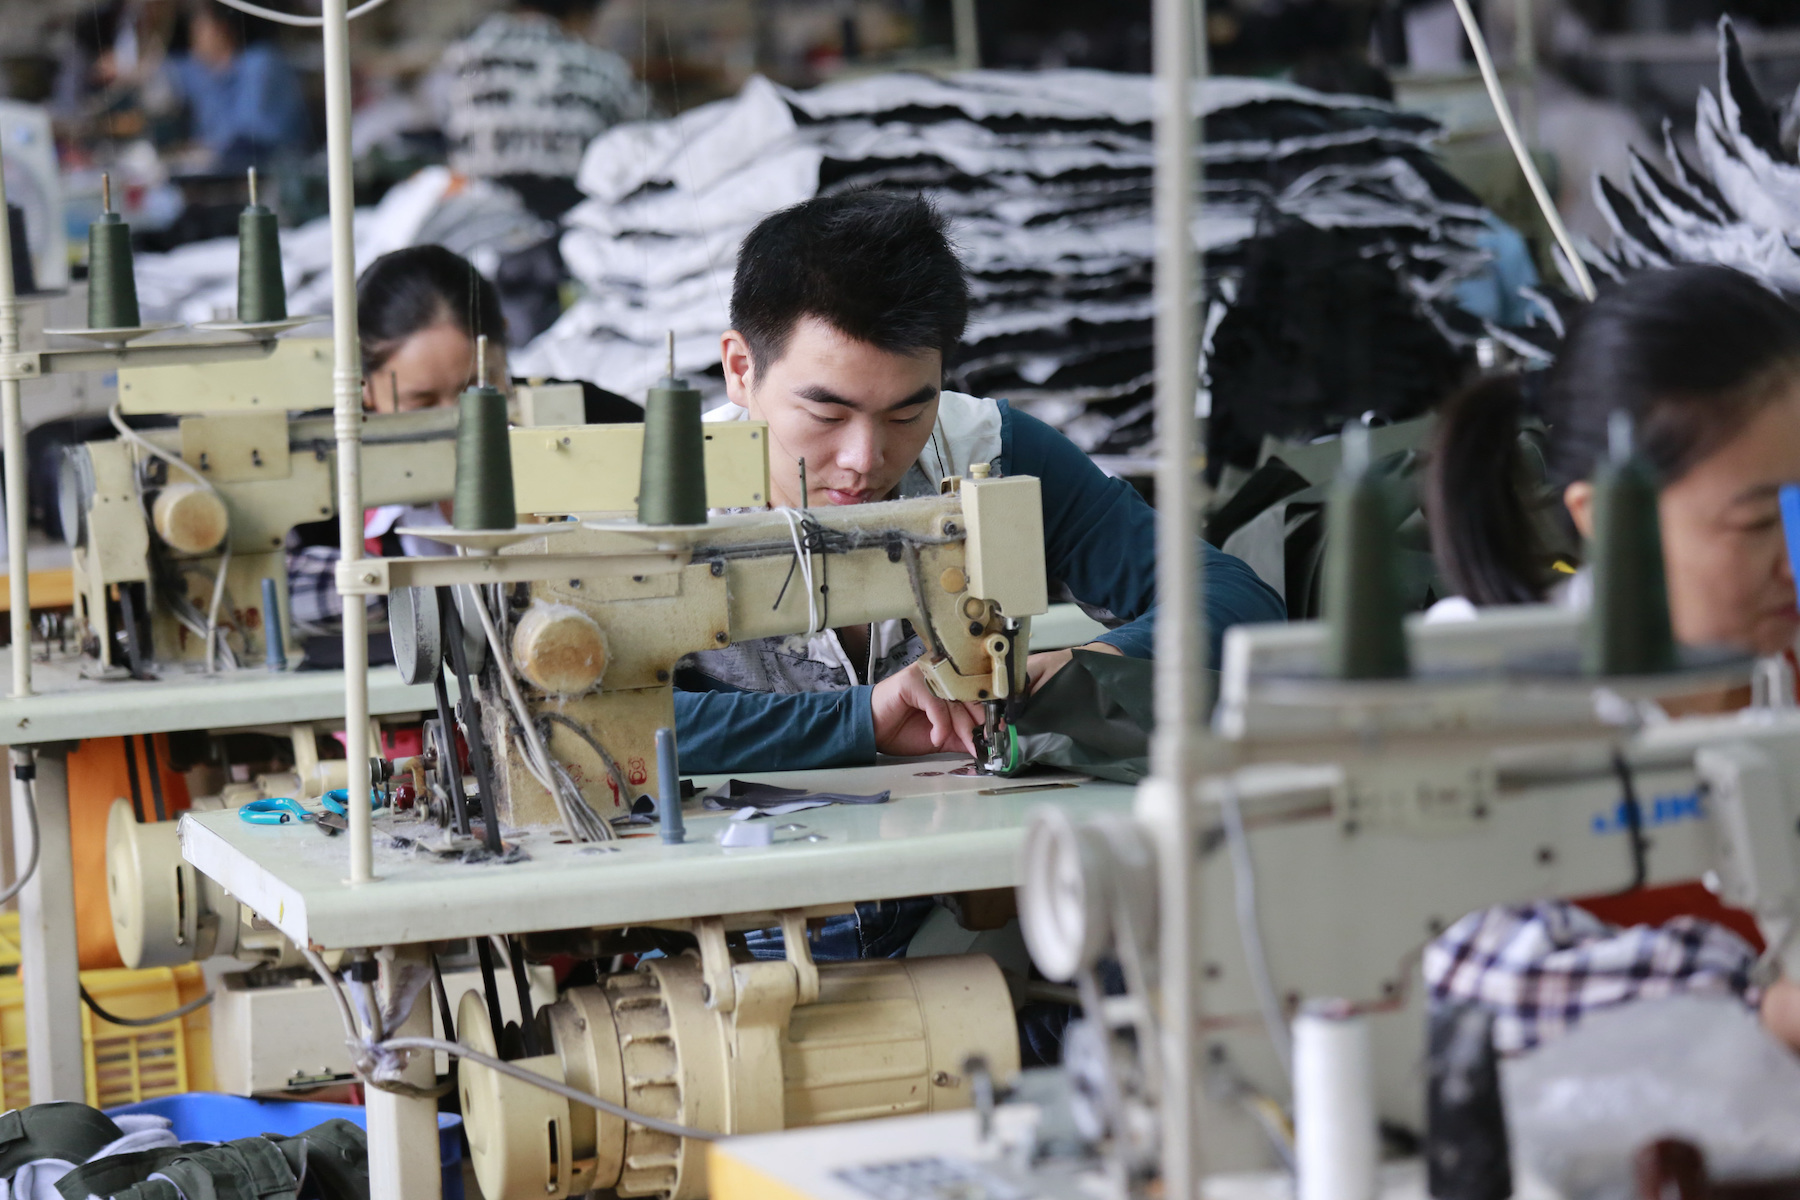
214 1117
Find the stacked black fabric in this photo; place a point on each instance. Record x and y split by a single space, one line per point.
1739 206
1333 239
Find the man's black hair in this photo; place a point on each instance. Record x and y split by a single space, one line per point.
876 266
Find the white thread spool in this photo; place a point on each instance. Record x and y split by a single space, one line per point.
1337 1150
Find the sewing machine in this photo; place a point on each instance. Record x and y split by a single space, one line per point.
1375 814
731 1044
148 539
596 617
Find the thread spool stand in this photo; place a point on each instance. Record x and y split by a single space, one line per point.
113 318
262 291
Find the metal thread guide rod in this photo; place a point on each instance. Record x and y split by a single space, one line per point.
346 387
1165 800
18 568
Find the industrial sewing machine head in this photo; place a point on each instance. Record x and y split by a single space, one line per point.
594 618
174 530
1372 780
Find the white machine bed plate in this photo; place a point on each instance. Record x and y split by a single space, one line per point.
67 707
937 834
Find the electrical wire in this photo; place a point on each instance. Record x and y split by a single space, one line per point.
513 1070
1243 872
31 819
612 768
145 1022
803 557
295 19
583 822
1502 109
458 1050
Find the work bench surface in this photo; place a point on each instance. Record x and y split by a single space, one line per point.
66 706
937 834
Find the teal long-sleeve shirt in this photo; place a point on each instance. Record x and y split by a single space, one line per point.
1099 547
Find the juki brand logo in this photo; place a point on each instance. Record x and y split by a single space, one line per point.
1664 810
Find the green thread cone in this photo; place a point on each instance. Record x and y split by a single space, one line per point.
1627 630
672 483
262 296
1364 610
112 285
484 482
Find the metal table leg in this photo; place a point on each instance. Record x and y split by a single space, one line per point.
403 1139
49 970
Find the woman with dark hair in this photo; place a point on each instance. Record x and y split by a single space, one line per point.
1706 362
420 312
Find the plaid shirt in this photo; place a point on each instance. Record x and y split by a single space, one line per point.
314 606
1540 967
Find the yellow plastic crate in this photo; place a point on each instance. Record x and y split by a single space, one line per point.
9 942
123 1064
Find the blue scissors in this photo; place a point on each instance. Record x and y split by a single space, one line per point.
277 810
338 800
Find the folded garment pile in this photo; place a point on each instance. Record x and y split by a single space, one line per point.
1738 206
1047 177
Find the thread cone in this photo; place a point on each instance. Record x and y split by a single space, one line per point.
672 483
1364 609
262 295
484 482
1627 630
112 283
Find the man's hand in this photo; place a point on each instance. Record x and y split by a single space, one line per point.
1040 667
911 720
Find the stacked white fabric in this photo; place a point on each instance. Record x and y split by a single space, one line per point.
1047 177
1738 207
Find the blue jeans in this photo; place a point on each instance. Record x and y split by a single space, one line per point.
877 929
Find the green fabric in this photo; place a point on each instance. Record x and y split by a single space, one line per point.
330 1159
65 1130
108 1176
337 1160
150 1189
1093 716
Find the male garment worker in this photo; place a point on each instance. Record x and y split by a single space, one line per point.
843 312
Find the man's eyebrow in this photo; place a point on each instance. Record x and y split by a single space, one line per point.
819 394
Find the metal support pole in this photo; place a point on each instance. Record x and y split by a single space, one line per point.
967 33
1526 66
403 1141
12 415
1165 801
49 971
346 380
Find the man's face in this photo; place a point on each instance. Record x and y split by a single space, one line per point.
860 416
